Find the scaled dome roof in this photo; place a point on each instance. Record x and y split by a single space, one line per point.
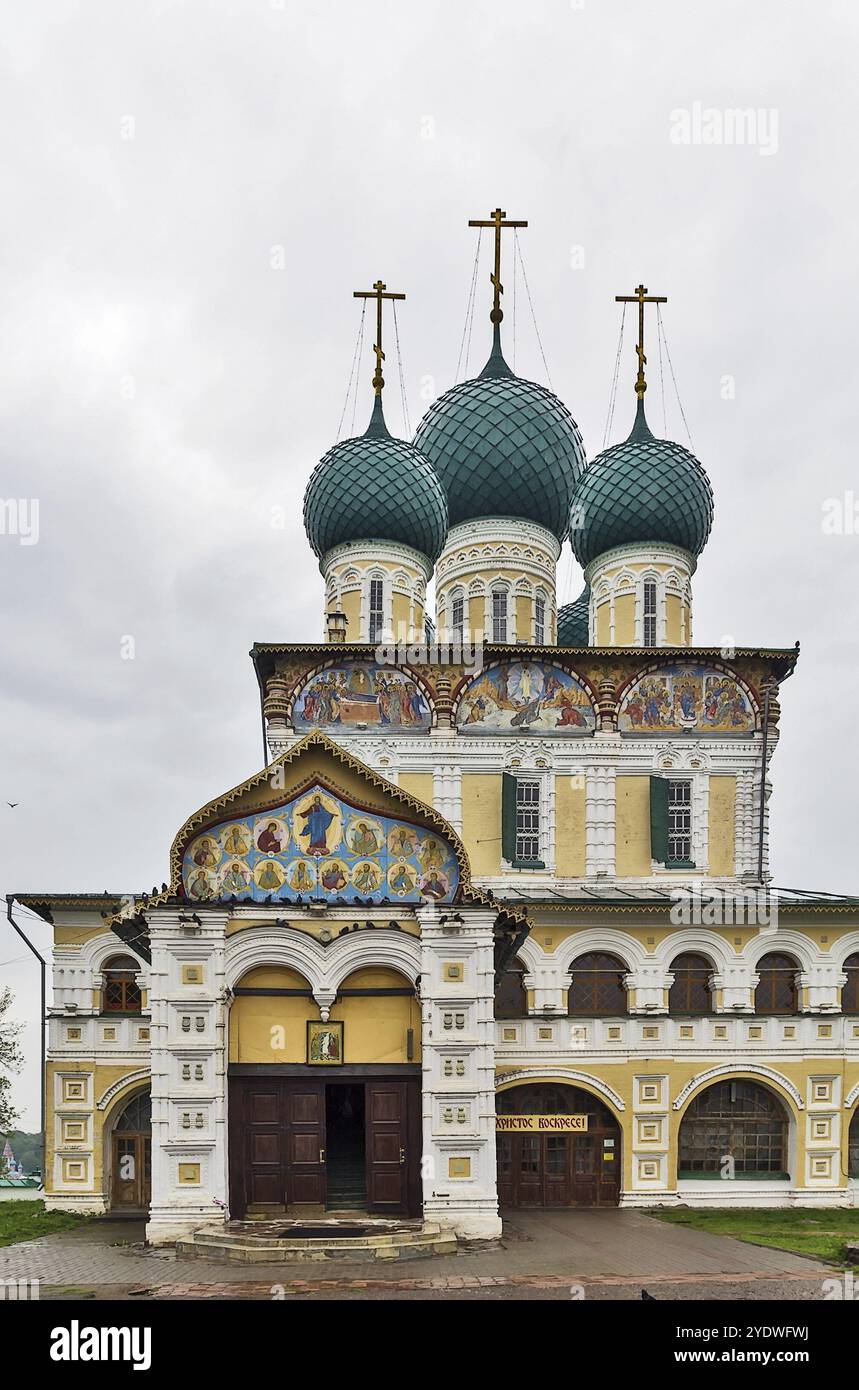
574 622
503 446
645 489
375 487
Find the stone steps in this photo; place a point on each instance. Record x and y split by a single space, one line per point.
266 1247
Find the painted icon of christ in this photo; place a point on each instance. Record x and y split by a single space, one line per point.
318 821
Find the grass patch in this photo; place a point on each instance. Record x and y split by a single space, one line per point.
29 1220
820 1235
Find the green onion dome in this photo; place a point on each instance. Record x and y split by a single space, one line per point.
502 446
573 621
645 489
375 487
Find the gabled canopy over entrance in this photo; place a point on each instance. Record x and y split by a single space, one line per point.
317 825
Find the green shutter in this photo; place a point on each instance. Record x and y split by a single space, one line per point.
659 819
508 816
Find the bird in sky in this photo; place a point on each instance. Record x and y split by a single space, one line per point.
13 804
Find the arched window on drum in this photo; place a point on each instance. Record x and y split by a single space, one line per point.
596 986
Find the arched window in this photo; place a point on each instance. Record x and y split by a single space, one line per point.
539 618
120 990
853 1146
511 999
776 992
735 1128
136 1118
457 615
499 615
649 624
376 607
850 992
596 986
690 992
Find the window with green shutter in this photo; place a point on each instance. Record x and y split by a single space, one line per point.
659 819
520 822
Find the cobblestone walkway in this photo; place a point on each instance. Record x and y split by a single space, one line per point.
539 1250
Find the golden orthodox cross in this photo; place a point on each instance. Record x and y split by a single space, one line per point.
640 297
498 220
378 292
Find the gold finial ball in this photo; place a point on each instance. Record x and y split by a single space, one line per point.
496 315
378 381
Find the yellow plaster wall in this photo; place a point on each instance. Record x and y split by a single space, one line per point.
524 618
570 827
723 792
476 610
481 820
603 622
633 826
271 1028
376 1026
418 784
350 604
624 620
673 635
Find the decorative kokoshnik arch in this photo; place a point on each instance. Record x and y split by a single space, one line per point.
316 825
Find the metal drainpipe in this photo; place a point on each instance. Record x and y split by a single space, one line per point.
10 898
763 787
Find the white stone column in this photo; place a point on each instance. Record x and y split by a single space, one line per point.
447 793
189 1071
458 1037
601 818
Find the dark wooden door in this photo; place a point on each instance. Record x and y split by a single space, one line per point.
261 1131
131 1172
305 1142
559 1170
387 1138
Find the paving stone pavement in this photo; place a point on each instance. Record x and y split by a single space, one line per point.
540 1250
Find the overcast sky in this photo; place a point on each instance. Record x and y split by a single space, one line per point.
164 385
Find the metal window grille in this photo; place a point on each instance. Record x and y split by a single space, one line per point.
527 820
650 613
377 613
736 1119
499 615
679 820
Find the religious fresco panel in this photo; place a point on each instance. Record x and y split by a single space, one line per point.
525 696
319 847
686 699
361 695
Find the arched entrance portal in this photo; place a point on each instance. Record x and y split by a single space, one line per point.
558 1169
131 1156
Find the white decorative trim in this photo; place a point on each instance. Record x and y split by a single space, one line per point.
133 1078
553 1073
852 1096
706 1078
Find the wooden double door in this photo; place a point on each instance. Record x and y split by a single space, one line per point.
577 1169
308 1143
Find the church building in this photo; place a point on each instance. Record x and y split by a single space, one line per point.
494 926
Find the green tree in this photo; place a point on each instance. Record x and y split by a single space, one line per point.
11 1060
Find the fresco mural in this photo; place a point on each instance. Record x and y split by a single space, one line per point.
686 699
361 693
318 847
525 695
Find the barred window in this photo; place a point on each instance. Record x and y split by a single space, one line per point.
776 992
120 991
690 992
596 985
377 614
539 621
850 992
650 613
499 615
679 820
527 820
735 1120
457 617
